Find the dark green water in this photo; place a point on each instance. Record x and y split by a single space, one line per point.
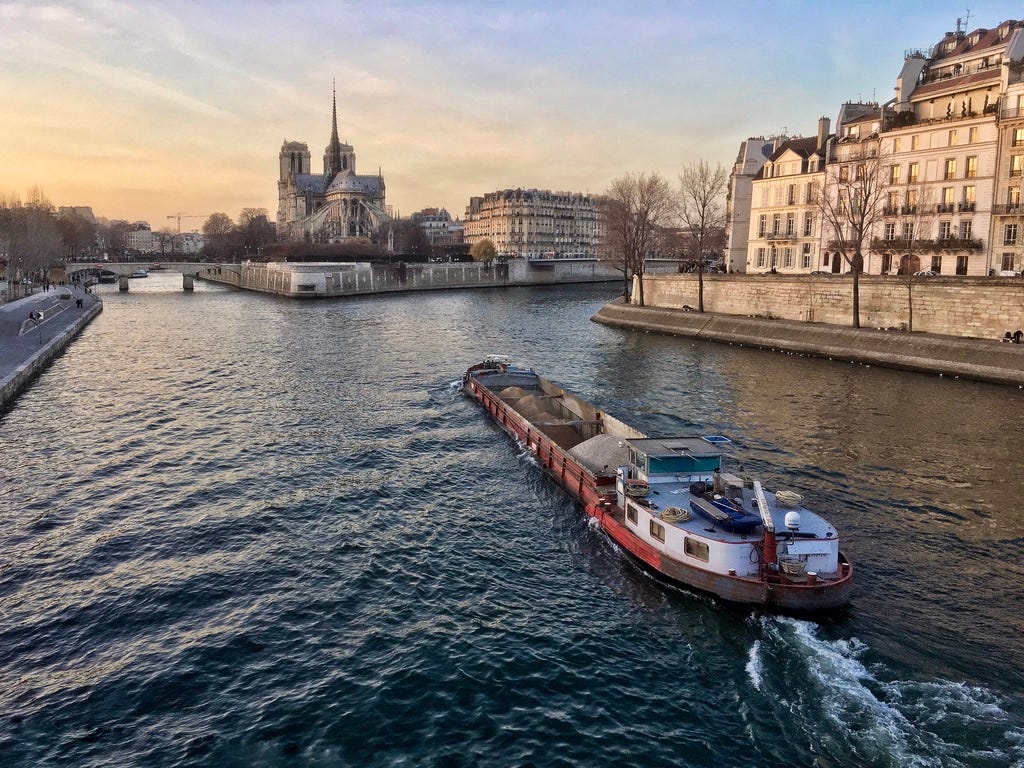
239 531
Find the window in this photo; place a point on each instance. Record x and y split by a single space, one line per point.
937 264
952 138
894 201
966 229
844 173
897 145
1007 261
790 224
1013 197
972 135
972 167
762 225
805 257
695 548
808 224
944 230
788 261
890 231
631 513
911 200
886 263
760 257
1016 164
1009 234
894 174
774 256
950 168
791 194
657 531
961 264
914 142
810 192
947 197
912 171
1018 137
908 230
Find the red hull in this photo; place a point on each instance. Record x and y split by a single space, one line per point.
597 495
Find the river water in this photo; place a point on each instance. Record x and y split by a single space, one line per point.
242 531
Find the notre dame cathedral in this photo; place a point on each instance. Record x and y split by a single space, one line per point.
332 206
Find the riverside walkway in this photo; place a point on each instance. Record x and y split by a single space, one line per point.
37 328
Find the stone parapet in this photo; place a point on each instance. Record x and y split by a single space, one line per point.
979 307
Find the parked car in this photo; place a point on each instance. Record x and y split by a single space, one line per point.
1007 273
924 273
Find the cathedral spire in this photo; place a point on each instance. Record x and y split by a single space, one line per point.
335 141
332 159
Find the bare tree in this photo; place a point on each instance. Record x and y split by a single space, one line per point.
917 213
852 204
702 211
635 210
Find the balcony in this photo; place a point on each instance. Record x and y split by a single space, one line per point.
1008 209
944 208
966 207
891 210
880 245
778 236
908 209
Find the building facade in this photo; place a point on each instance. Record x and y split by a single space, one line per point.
753 154
532 223
785 228
948 151
438 226
331 207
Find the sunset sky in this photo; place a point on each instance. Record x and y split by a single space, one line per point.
145 109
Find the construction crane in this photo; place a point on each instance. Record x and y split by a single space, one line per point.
179 216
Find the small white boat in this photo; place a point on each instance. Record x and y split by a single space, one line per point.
139 273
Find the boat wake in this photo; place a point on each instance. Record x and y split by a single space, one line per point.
863 718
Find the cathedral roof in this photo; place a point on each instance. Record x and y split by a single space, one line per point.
306 183
346 181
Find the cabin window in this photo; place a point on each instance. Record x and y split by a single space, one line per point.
631 513
697 549
657 531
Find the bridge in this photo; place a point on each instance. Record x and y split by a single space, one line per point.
124 269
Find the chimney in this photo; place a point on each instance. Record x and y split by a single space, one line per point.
823 125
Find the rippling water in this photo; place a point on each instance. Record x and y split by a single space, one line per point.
242 531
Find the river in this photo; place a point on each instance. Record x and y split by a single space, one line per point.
243 531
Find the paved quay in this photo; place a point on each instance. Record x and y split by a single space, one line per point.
37 328
990 360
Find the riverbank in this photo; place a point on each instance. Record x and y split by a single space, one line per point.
981 359
36 329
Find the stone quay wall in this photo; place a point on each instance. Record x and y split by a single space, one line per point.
988 360
330 280
979 307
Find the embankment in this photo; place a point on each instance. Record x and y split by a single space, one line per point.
27 365
981 359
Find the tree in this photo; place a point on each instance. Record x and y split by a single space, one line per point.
702 210
635 210
916 218
217 232
483 250
255 230
851 205
29 237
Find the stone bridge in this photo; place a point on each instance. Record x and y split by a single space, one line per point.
124 270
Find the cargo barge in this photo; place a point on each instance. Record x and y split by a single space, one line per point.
670 502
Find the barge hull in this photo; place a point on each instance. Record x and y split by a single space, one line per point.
596 493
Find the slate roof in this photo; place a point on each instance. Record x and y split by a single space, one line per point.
310 183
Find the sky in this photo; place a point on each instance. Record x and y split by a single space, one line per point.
144 110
